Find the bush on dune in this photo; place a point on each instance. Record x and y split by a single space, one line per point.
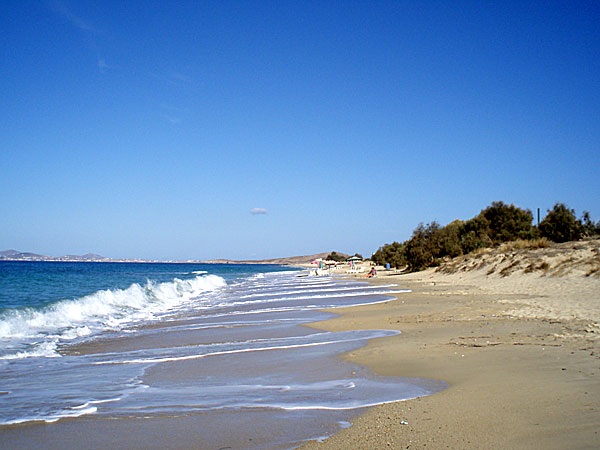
420 249
497 224
507 222
392 254
473 234
561 224
526 244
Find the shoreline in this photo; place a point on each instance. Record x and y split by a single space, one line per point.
515 380
264 393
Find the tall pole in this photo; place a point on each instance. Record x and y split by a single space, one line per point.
538 217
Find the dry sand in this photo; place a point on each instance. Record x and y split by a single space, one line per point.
518 345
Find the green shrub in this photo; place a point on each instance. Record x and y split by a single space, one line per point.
507 222
446 240
430 243
474 234
392 254
589 227
561 224
335 256
419 254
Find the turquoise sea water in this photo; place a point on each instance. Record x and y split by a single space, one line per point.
127 340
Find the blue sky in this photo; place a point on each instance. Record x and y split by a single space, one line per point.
177 130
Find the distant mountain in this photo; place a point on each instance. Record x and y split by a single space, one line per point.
305 259
31 255
290 260
93 256
86 257
15 254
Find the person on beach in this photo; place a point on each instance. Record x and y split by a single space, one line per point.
372 272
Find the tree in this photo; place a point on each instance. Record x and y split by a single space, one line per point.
335 256
589 227
474 234
446 240
421 250
561 224
392 254
507 222
430 243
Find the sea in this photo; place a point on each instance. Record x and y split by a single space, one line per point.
220 347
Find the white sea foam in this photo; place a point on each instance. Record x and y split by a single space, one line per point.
307 307
335 294
246 346
365 289
72 412
45 349
86 405
105 309
221 353
68 412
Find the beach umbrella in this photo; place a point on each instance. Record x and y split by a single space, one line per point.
352 260
318 261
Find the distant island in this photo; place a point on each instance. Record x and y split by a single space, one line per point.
15 255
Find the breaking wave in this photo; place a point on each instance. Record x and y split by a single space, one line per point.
22 329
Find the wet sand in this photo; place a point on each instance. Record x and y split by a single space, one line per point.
197 431
516 379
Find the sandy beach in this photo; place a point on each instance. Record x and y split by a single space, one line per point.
518 344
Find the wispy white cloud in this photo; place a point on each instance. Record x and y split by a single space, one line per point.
171 119
89 32
71 17
171 113
255 211
102 65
